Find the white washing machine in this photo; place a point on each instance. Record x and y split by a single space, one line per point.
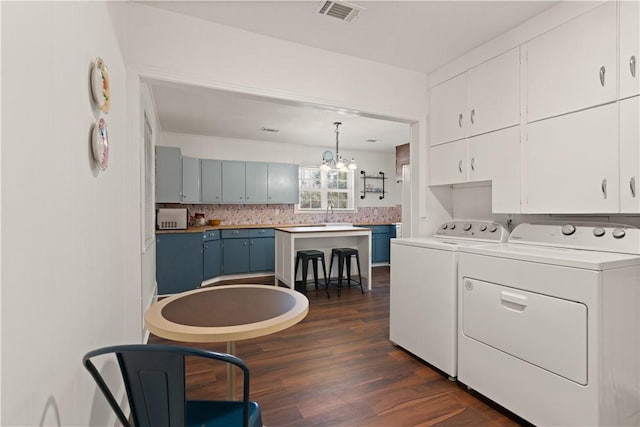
549 323
423 300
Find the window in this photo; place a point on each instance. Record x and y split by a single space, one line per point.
320 189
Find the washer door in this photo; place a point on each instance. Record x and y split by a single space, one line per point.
548 332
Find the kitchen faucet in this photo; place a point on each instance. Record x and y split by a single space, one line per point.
329 206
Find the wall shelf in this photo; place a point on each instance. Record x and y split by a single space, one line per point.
372 188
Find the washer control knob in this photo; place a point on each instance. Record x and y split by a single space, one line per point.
483 227
493 228
598 231
444 227
619 233
452 227
467 227
568 229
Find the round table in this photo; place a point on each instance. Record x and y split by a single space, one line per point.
226 313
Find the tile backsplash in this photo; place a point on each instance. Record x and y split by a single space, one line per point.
285 214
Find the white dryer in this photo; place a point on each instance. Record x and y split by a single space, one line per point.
549 323
423 300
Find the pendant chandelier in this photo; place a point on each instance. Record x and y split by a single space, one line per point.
329 162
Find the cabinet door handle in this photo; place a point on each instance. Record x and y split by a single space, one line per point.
632 186
473 115
244 243
632 65
460 166
603 187
460 120
473 163
602 71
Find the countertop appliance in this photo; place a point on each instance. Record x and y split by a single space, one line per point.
172 219
423 306
549 323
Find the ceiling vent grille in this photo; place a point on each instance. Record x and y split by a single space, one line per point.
339 9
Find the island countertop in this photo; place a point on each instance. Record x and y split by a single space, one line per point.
322 229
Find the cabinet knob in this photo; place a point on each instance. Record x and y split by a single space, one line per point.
460 120
603 187
632 186
460 166
602 71
244 244
473 115
632 65
473 163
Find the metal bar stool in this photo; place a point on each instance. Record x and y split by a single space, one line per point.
313 256
344 257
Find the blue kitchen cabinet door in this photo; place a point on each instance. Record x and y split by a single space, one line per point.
283 183
256 182
262 254
190 180
235 256
380 243
168 175
233 182
211 174
211 254
178 262
211 259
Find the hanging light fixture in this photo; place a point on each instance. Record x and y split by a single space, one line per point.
329 162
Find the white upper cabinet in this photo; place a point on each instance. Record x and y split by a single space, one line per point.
484 99
571 163
495 157
573 66
493 94
448 103
448 163
629 48
629 155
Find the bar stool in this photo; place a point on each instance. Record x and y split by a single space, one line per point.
344 257
313 256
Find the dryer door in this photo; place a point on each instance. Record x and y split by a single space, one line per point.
548 332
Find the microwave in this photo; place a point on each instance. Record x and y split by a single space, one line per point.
172 219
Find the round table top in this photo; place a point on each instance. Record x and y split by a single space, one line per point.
226 313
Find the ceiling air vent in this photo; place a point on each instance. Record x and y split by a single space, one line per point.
340 9
272 130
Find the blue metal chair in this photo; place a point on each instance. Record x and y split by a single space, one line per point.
154 379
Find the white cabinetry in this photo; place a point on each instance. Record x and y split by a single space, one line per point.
571 163
629 48
493 156
483 99
573 66
629 155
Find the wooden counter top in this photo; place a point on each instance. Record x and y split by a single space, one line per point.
203 228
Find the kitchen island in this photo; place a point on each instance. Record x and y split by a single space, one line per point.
289 240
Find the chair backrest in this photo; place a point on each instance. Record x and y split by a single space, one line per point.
154 379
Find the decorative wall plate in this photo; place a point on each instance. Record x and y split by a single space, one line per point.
100 144
100 85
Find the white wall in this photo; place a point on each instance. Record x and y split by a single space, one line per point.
70 234
305 155
212 55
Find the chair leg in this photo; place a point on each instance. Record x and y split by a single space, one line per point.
315 272
359 274
295 271
326 280
347 261
305 270
340 271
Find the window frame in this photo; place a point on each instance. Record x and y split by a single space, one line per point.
325 190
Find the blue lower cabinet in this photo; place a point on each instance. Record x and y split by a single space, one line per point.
211 255
381 243
178 262
248 250
262 254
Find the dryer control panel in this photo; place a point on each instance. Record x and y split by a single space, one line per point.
604 237
472 230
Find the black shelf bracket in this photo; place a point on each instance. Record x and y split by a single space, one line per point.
365 177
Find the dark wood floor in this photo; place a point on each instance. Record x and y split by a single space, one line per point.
337 368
